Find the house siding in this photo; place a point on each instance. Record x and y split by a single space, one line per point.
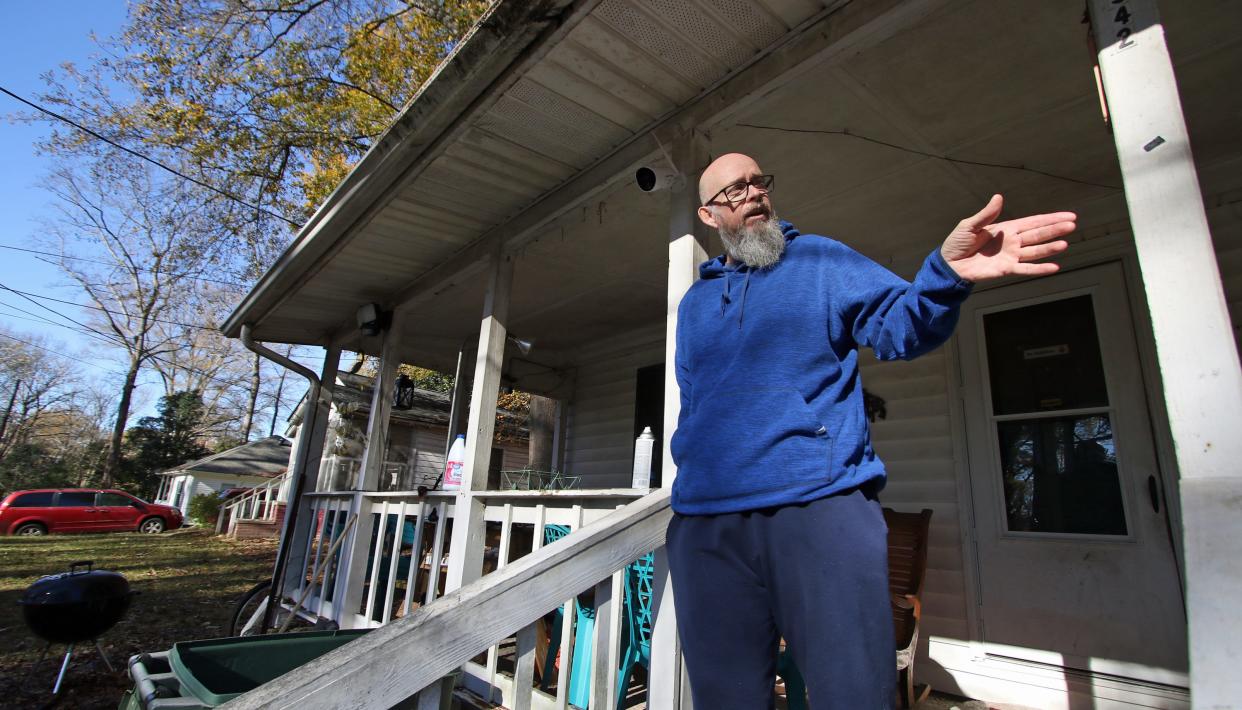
915 441
600 431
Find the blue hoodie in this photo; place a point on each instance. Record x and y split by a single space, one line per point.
767 361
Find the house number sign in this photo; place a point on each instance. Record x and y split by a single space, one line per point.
1120 20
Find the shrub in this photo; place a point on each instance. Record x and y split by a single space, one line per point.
205 508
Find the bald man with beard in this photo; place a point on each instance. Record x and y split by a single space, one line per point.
777 530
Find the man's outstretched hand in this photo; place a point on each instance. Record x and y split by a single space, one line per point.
980 248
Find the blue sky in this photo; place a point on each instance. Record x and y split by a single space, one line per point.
36 37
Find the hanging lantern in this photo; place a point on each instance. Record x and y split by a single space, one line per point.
403 393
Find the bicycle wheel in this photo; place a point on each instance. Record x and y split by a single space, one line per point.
247 617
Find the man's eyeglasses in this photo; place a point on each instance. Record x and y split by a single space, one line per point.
736 192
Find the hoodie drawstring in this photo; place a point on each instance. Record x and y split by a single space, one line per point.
726 296
745 290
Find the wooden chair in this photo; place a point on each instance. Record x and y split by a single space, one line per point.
907 566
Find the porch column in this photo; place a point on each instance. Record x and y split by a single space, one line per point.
376 450
466 548
1195 347
355 550
687 248
312 454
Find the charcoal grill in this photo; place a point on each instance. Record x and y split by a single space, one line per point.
74 607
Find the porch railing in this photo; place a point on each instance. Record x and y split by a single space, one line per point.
259 503
425 636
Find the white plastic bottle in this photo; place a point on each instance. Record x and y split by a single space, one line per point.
643 447
456 462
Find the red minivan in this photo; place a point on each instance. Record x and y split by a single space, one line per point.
48 510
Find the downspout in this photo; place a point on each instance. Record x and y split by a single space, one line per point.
295 493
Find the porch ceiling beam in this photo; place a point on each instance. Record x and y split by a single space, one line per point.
839 30
1195 345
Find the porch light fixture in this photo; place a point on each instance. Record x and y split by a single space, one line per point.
523 346
403 393
372 319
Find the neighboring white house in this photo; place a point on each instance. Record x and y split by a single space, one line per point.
1077 438
417 441
246 466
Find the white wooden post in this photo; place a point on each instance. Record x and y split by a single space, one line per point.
381 408
466 548
1195 346
687 248
354 553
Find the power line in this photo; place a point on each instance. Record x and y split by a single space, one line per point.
150 160
850 134
56 352
108 263
113 338
105 310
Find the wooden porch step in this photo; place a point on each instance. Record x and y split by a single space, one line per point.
252 529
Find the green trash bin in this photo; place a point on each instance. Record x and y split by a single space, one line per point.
204 674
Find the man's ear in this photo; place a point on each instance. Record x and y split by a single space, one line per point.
707 217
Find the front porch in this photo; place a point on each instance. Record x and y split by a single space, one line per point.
503 205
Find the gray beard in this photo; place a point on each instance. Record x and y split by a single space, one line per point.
758 246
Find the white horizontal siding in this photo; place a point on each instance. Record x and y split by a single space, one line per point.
915 441
600 434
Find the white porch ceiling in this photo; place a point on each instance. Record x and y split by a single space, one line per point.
991 81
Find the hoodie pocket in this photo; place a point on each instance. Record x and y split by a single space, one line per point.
744 441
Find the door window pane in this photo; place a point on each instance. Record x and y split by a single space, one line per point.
76 499
1045 357
33 500
1060 476
114 500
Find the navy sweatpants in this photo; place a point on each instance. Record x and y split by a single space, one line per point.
815 574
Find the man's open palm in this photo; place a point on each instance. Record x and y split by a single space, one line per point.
980 248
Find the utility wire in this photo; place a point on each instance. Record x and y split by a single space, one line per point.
105 310
109 337
58 353
977 163
150 160
108 263
113 340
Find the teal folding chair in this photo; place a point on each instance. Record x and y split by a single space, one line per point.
637 635
580 670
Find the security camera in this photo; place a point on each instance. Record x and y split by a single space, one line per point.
651 178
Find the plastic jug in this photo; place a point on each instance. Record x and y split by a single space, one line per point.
455 463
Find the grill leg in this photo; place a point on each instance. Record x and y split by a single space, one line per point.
63 667
104 656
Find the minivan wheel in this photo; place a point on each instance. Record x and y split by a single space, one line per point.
151 525
30 529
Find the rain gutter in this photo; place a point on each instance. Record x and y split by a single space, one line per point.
301 458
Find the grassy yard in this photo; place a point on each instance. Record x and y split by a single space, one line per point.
187 583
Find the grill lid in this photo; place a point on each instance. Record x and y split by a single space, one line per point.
77 586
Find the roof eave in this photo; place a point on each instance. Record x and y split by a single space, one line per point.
505 32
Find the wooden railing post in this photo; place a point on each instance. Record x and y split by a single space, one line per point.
687 248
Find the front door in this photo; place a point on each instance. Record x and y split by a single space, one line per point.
1075 559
